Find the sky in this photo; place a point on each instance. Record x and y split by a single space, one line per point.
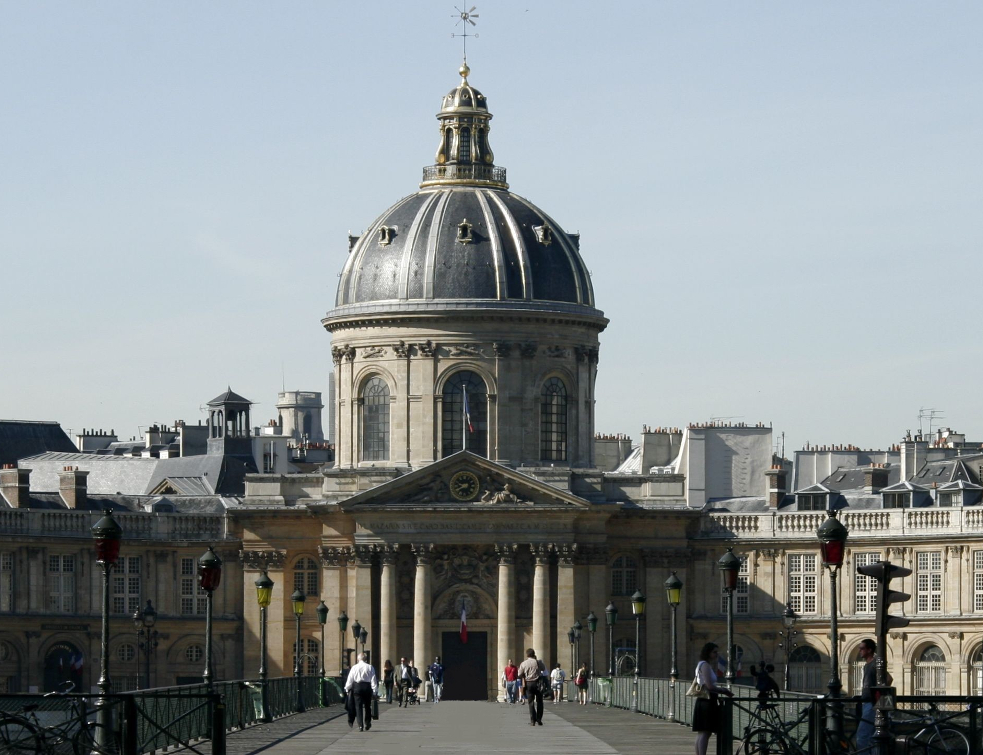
780 203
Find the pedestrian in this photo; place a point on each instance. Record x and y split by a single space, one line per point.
865 729
706 713
388 677
510 678
436 673
361 685
582 680
557 677
404 678
767 687
532 672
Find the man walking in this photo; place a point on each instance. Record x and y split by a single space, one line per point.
361 686
865 729
511 678
531 671
436 672
404 677
557 678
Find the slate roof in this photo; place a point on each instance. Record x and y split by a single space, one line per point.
19 439
229 397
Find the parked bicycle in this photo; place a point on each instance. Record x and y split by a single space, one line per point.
937 733
767 733
69 729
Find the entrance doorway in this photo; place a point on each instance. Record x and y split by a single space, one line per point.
63 663
465 666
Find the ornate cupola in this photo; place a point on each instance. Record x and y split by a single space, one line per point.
464 156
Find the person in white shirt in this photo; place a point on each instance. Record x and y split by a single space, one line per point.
362 684
557 676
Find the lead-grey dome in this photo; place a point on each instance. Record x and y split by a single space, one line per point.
465 243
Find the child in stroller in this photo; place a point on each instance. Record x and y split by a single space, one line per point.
410 693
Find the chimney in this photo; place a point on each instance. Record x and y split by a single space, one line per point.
73 488
875 478
777 485
15 485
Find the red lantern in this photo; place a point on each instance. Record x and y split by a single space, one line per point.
209 570
108 536
832 541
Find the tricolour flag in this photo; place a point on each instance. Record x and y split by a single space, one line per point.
464 625
467 410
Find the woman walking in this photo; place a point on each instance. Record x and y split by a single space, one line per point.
706 713
387 680
582 680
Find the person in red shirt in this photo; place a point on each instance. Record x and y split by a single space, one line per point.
511 679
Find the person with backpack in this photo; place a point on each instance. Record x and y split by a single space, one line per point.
582 680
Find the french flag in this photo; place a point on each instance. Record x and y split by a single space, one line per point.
467 410
464 626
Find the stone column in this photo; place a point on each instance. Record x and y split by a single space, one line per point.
387 608
421 606
599 593
566 611
334 592
506 609
360 598
541 602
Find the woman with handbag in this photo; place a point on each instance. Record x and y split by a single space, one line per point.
706 713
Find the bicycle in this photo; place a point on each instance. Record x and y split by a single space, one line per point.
768 734
934 738
75 734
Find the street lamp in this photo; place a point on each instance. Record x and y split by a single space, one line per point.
107 535
322 619
674 594
363 637
592 628
638 609
729 565
209 576
264 596
832 544
578 630
788 622
146 634
611 614
570 639
343 626
297 601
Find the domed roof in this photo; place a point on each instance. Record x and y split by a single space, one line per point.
464 240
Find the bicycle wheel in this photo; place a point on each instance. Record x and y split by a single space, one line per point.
763 742
947 740
93 737
18 736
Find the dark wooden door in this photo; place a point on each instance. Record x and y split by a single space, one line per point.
465 666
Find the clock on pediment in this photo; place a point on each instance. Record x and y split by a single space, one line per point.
465 485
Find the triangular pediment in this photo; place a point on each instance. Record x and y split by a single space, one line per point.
461 481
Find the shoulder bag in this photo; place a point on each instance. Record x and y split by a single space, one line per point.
698 689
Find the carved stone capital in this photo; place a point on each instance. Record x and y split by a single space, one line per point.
333 556
401 350
349 352
387 553
528 350
566 552
506 553
361 555
262 559
426 348
502 349
423 553
955 635
336 354
899 635
541 552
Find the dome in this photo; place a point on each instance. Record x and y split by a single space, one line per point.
464 239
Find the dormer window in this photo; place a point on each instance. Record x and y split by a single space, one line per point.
812 501
897 500
464 229
386 235
948 500
544 234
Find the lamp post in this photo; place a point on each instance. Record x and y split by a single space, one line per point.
674 592
343 626
363 637
356 632
729 564
611 614
107 535
592 628
297 601
264 596
322 619
578 630
209 576
832 543
570 639
788 622
144 621
638 610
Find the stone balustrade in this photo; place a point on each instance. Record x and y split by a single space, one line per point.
871 523
157 526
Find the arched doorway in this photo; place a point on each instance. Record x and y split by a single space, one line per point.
63 663
9 668
805 670
930 668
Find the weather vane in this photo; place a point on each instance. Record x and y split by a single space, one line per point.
466 17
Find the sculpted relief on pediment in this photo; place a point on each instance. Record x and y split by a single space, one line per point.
464 486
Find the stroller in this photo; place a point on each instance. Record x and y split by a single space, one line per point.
412 691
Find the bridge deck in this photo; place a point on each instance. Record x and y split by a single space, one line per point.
461 727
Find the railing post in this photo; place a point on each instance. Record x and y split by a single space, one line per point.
130 726
725 739
218 725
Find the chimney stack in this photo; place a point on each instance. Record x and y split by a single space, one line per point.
875 478
15 486
73 487
777 485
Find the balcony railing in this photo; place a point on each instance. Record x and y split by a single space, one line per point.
489 173
873 523
135 526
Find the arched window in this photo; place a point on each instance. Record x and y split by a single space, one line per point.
194 653
976 673
930 672
624 576
448 143
624 656
309 657
805 670
553 421
305 576
375 420
465 430
464 148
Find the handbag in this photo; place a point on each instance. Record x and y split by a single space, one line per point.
697 689
544 685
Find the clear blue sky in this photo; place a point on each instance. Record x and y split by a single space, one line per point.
780 203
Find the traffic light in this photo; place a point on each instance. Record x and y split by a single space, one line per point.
884 572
